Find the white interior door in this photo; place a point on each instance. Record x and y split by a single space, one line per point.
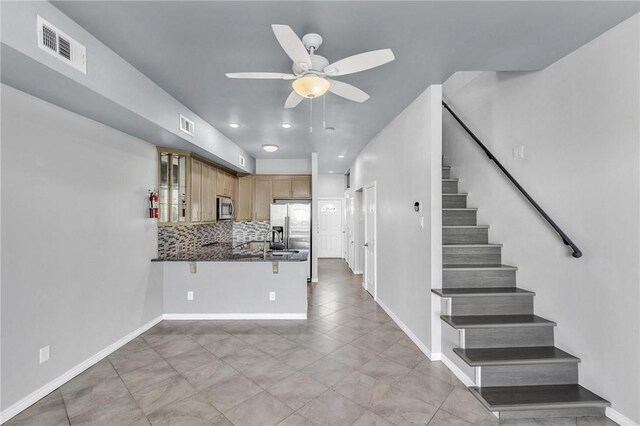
370 239
351 255
330 221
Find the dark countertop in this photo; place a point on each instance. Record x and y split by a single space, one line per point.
226 252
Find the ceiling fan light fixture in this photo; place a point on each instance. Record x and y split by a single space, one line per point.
311 86
286 125
269 147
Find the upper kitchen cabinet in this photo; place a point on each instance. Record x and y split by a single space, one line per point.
301 187
291 187
226 184
262 197
188 187
244 200
172 187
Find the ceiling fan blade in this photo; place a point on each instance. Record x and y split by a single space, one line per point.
293 100
360 62
348 91
292 45
261 75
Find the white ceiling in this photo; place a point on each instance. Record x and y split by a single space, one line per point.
186 47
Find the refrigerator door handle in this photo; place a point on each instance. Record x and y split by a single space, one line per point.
286 230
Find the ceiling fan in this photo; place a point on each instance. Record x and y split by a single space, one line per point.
311 72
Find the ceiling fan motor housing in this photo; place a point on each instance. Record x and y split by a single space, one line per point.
318 63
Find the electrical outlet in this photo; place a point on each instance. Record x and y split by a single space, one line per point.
275 266
192 267
45 354
272 296
189 295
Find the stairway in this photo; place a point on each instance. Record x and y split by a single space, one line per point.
519 371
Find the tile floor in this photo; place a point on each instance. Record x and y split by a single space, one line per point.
348 364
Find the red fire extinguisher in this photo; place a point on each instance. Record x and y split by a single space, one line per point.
153 205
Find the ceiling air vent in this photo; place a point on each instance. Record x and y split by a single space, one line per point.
60 45
187 125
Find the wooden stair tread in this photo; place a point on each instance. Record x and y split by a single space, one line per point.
491 321
450 180
509 398
466 226
471 267
481 291
471 245
511 356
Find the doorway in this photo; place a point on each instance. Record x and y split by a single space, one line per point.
330 227
370 243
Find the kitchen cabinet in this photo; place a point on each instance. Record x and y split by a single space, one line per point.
291 187
196 190
262 198
226 184
281 186
301 187
244 202
209 185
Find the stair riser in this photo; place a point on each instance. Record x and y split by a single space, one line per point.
529 374
559 412
503 337
454 201
492 305
471 255
446 173
478 279
458 217
449 187
465 235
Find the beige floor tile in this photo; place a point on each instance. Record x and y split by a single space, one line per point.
49 411
297 390
163 393
261 409
193 410
327 371
331 408
230 392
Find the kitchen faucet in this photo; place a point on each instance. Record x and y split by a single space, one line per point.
275 238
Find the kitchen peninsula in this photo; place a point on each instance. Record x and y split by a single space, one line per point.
220 281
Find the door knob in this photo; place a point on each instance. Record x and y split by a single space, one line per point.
366 244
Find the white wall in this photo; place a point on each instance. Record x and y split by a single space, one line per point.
330 185
399 160
579 123
283 166
76 243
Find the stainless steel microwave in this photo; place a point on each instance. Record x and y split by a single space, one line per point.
225 208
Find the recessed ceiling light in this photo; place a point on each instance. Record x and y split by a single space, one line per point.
330 171
340 156
269 147
329 129
286 125
234 125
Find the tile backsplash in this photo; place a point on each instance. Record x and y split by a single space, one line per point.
173 240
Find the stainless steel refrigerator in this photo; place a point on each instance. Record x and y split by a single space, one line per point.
292 219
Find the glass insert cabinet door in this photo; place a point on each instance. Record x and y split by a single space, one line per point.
172 188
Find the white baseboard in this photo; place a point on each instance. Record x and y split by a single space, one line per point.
358 272
455 370
45 390
619 418
437 356
407 331
266 316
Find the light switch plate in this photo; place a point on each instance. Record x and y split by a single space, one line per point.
272 296
189 295
518 152
45 354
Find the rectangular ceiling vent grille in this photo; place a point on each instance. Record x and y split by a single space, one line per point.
60 45
187 126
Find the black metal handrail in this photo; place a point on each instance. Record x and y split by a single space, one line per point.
565 239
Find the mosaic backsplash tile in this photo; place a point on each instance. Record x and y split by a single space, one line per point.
177 240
